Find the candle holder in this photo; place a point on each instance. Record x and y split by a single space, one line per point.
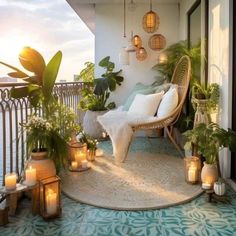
91 153
50 197
192 167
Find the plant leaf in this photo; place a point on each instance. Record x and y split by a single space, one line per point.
50 74
101 85
18 74
20 92
104 62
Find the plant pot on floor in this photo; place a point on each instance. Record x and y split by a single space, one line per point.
44 166
91 125
219 188
209 174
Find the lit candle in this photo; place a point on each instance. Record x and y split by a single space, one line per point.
10 181
51 202
192 174
79 157
99 152
74 165
30 176
84 164
206 185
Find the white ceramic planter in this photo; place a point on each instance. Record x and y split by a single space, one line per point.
219 188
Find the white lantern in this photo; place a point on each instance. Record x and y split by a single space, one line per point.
124 57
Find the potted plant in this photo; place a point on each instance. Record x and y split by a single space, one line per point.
95 103
219 187
51 131
210 139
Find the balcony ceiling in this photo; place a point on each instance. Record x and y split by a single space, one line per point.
121 1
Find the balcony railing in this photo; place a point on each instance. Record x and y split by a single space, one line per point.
15 111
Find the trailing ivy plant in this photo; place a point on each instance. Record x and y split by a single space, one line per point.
103 86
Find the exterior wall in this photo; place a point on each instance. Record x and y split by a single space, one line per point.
109 40
220 66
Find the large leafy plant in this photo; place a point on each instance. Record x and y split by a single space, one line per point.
210 139
40 77
103 86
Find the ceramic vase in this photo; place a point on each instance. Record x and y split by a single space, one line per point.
219 188
209 173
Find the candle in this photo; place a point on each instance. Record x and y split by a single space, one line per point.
80 156
10 181
74 165
206 185
84 164
192 174
51 202
99 152
104 135
30 176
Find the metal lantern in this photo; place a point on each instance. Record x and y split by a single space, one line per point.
192 166
50 197
77 152
141 54
151 21
137 41
157 42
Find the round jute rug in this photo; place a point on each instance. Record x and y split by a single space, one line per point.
145 181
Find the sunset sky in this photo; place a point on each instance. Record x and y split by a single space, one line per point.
47 26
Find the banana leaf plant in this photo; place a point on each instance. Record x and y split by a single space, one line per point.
103 86
40 77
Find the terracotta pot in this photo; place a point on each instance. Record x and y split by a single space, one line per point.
219 188
43 165
209 173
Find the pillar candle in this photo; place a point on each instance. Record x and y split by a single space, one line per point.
192 174
30 176
51 202
84 164
74 165
10 181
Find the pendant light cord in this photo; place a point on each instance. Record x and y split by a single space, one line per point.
150 5
124 19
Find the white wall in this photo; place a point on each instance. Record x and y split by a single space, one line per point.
109 40
220 65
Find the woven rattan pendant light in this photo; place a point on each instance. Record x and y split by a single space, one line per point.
141 54
151 21
157 42
137 41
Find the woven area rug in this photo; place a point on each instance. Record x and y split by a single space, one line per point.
144 181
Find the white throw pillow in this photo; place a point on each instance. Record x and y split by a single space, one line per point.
168 103
146 104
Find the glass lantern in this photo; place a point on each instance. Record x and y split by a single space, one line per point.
77 153
50 197
91 153
192 168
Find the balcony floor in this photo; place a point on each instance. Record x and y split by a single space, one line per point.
197 217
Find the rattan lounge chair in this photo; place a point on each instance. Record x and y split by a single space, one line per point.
181 77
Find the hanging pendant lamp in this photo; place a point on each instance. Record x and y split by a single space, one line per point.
137 41
124 55
141 54
131 47
151 21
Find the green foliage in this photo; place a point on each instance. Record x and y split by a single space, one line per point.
97 100
174 52
211 92
87 74
90 141
210 139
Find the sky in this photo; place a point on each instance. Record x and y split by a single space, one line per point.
47 26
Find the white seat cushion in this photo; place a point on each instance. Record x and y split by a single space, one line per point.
168 103
146 104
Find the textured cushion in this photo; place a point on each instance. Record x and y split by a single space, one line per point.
168 103
139 88
146 104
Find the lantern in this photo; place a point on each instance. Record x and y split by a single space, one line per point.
91 153
77 154
137 41
50 197
151 21
141 54
124 57
157 42
192 166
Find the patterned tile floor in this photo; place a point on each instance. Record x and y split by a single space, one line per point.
194 218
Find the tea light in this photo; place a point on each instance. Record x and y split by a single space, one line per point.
192 173
10 181
99 152
206 185
80 156
74 165
30 176
51 202
84 164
